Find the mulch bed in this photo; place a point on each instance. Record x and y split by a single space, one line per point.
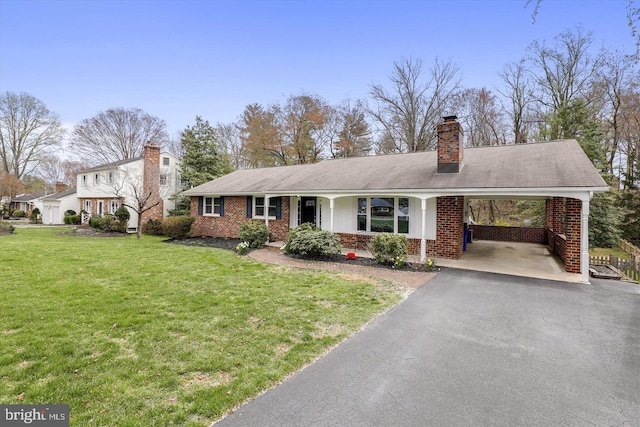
92 232
230 244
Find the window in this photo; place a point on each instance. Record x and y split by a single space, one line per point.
165 161
212 206
362 214
163 179
96 179
114 205
383 214
110 178
259 207
84 180
88 206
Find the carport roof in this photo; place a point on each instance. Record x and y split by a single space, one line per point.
548 165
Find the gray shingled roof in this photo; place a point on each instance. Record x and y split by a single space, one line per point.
556 164
60 195
29 196
112 165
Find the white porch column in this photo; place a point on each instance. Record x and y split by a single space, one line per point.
266 211
584 241
423 239
331 209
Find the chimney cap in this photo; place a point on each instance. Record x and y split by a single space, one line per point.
451 118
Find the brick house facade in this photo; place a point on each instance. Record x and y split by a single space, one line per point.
422 195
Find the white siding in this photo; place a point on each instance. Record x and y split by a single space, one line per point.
345 216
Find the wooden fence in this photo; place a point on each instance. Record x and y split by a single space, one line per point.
628 247
629 267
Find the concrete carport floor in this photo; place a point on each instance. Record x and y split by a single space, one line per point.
518 259
475 348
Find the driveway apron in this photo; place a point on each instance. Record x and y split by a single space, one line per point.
472 348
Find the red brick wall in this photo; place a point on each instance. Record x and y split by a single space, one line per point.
572 232
151 183
349 241
235 213
449 227
509 234
565 232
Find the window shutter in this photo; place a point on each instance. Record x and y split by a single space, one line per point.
249 205
200 203
279 208
221 206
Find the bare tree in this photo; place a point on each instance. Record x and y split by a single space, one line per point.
52 171
563 73
354 136
482 118
519 95
27 130
230 136
142 196
117 134
614 95
633 17
409 111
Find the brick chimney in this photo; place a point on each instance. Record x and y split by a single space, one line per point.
151 181
450 151
60 187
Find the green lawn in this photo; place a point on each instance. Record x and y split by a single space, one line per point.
132 333
609 251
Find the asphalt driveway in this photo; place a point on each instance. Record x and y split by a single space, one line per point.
472 348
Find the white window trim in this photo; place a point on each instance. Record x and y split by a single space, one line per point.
271 199
96 179
84 180
114 203
396 209
213 205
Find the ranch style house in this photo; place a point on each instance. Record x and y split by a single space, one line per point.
422 195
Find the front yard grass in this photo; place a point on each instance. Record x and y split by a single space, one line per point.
600 252
133 333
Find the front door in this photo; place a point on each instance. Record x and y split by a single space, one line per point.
308 210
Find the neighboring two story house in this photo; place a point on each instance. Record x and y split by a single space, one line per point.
103 189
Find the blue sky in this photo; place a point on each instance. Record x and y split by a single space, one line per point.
178 59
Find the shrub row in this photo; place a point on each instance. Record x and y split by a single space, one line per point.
6 227
254 233
310 242
390 249
177 227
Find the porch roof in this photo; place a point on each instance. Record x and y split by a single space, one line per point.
548 165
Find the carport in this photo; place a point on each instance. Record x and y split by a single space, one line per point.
559 250
513 258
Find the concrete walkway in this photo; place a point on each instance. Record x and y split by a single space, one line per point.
513 258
